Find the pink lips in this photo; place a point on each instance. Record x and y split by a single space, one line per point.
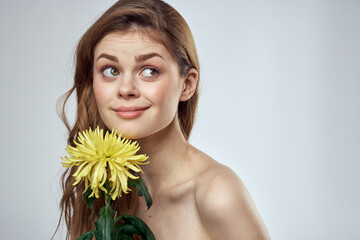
129 112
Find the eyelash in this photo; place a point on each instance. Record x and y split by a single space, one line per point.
108 67
142 69
152 68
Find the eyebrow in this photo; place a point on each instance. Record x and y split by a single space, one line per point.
140 58
107 56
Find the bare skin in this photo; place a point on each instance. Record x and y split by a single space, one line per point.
194 197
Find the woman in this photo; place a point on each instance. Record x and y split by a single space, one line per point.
137 71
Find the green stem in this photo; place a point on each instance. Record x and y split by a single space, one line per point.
107 199
107 195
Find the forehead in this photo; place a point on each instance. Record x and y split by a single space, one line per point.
130 42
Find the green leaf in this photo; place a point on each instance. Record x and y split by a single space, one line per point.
87 236
127 228
142 190
123 236
105 227
140 226
125 231
89 201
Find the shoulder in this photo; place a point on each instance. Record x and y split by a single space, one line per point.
225 206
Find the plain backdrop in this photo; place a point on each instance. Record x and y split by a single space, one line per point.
280 105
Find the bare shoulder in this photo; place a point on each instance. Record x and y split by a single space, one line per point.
225 206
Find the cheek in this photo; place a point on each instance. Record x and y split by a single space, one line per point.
102 92
164 95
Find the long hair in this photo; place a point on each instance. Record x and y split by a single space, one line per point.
161 22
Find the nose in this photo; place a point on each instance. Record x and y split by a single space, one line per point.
127 87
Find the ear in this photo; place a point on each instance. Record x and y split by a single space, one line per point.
189 85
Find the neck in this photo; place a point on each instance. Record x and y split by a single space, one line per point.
167 151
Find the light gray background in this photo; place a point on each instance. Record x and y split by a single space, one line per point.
280 105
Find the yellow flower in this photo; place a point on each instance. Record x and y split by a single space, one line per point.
99 159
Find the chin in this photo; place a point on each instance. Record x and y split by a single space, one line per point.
138 130
133 135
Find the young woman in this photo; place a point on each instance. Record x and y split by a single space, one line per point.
137 71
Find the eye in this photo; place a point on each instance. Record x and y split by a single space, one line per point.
110 72
149 72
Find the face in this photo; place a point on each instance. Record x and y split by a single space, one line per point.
137 84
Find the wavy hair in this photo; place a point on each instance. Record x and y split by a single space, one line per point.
162 23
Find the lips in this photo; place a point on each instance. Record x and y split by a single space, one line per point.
129 112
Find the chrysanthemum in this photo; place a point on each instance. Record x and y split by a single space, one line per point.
100 158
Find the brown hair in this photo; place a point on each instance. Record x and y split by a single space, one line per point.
150 16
